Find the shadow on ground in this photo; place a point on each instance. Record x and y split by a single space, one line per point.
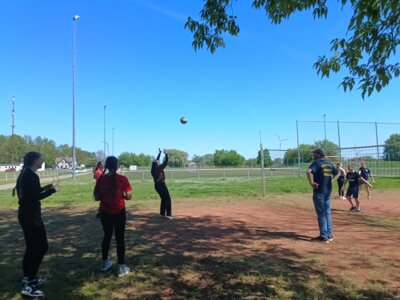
186 258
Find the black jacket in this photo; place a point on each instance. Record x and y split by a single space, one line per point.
30 193
157 171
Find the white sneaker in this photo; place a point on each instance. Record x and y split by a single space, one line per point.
123 270
106 264
31 290
169 217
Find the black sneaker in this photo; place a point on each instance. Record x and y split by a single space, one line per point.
320 239
37 281
31 290
352 208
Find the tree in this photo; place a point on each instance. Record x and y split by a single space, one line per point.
228 158
267 158
330 148
291 155
126 159
177 158
392 148
47 148
15 149
205 160
252 162
366 52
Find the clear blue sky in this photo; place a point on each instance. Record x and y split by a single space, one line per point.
136 57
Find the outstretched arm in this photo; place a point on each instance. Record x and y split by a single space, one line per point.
165 162
159 154
366 182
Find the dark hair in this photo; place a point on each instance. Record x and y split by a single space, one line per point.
318 153
111 165
98 165
29 158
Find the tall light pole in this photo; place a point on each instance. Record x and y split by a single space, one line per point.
113 129
105 141
74 18
324 115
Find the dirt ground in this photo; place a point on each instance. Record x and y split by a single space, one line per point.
199 253
361 248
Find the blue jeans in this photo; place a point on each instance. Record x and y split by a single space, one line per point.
322 205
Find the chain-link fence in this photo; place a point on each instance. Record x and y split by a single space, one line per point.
383 160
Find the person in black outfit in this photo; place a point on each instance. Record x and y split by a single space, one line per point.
340 181
157 171
29 194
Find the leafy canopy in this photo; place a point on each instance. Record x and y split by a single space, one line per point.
367 51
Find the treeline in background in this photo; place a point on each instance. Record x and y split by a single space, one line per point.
14 147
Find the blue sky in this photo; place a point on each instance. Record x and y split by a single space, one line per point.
136 57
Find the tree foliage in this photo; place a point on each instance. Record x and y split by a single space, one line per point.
367 50
330 148
267 158
204 160
177 158
392 148
13 149
133 159
291 156
225 158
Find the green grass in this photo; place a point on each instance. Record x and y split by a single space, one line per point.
183 259
80 191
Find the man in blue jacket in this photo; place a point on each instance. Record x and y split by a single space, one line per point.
320 174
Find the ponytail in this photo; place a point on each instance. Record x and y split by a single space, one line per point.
29 158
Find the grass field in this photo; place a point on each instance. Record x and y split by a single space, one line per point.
226 242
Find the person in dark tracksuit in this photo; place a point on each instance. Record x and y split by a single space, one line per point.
157 171
29 194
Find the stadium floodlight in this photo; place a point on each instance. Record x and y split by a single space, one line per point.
105 140
74 18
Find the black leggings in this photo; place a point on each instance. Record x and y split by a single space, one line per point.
110 223
36 244
340 182
162 190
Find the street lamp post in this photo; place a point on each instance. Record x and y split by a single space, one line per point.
113 129
74 18
324 115
105 141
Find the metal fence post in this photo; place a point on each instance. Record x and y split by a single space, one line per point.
298 146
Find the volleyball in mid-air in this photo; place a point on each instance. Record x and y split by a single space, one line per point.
183 120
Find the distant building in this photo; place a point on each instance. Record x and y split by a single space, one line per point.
10 168
17 168
63 163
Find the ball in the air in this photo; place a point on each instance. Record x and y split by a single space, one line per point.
183 120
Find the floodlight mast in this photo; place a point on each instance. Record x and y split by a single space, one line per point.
74 18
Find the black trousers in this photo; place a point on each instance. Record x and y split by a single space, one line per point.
110 224
340 182
36 243
162 190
